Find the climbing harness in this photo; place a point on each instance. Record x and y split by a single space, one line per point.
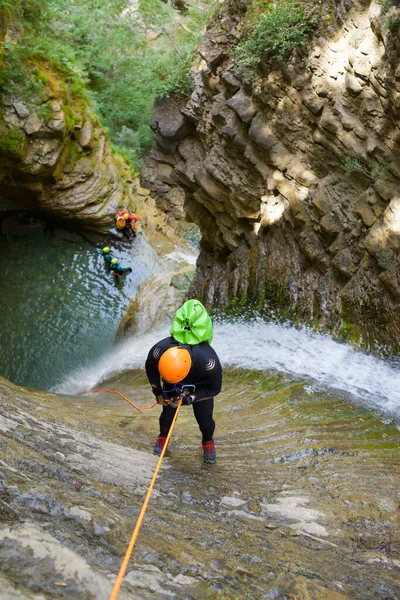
183 388
182 391
124 565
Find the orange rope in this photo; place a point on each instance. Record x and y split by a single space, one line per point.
135 533
139 408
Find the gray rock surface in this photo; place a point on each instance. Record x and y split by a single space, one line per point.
292 508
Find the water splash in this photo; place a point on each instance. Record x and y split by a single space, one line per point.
264 346
125 356
306 353
182 257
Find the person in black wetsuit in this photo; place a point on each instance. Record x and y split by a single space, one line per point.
194 370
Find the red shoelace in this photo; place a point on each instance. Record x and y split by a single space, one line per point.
161 439
209 446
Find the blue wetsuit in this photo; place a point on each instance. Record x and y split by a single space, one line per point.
119 270
107 257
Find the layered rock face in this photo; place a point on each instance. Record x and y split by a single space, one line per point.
294 179
56 159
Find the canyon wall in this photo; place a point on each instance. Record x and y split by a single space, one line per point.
293 178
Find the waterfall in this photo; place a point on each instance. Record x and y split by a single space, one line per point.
261 346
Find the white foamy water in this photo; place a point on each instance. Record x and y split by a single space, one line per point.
182 257
263 346
305 353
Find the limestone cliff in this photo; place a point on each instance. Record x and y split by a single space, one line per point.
56 160
294 178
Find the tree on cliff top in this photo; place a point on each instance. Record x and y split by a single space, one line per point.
124 56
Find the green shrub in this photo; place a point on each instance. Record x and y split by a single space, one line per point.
70 119
17 11
39 76
124 70
286 26
386 5
391 21
36 43
132 142
353 165
45 111
174 78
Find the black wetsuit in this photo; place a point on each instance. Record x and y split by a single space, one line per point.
205 374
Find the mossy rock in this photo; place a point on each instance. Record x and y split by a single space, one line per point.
70 119
12 143
350 332
182 281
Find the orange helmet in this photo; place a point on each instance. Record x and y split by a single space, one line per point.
126 216
175 364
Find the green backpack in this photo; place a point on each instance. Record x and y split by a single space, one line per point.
192 324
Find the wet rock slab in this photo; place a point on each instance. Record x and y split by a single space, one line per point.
287 586
292 509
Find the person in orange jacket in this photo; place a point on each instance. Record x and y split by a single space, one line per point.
127 222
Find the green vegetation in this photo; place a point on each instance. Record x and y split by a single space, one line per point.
349 333
353 165
45 111
386 5
116 57
11 142
391 21
17 11
34 49
274 32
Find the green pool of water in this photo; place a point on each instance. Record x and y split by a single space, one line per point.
59 307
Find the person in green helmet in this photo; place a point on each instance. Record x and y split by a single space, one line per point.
105 252
118 269
186 365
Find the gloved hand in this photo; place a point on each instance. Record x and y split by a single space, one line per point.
188 399
160 400
173 401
